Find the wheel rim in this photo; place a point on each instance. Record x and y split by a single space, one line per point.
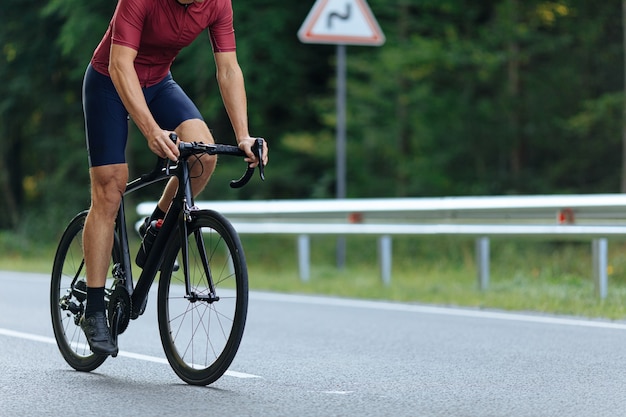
200 337
67 306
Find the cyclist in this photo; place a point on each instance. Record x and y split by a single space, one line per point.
129 75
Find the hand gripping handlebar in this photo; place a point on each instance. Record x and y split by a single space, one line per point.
187 149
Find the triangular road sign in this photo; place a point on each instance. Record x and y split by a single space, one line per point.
341 22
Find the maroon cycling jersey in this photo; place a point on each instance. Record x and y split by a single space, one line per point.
159 29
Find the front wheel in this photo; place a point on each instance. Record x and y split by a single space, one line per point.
201 320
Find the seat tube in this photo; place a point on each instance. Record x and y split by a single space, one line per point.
122 232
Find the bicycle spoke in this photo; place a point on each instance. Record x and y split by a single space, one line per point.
200 331
66 309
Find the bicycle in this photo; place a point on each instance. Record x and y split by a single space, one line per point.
202 296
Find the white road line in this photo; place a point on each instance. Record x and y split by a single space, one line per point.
441 311
131 355
27 336
337 392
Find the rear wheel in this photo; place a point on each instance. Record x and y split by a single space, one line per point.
68 294
201 322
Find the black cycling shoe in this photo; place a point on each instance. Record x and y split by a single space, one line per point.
97 332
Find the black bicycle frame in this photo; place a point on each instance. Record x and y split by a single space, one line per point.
177 216
182 203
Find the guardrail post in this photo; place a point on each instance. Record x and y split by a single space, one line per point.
304 261
599 250
482 262
385 258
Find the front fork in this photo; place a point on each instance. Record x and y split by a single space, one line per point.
198 240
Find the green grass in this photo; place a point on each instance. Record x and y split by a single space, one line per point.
525 275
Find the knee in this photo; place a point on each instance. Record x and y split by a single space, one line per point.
105 200
204 166
194 130
106 193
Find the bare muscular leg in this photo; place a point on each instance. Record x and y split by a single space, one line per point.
107 187
108 183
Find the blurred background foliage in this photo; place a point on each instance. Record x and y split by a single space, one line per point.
465 98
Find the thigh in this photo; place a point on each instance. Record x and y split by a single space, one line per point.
194 130
106 120
170 105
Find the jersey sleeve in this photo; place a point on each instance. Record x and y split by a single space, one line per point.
222 32
128 22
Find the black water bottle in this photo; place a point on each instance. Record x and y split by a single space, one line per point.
148 240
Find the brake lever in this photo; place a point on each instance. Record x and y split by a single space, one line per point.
168 162
257 148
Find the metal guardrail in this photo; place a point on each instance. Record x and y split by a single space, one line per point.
594 217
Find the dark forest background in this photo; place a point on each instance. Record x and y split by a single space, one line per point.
465 98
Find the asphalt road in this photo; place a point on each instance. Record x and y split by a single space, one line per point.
317 356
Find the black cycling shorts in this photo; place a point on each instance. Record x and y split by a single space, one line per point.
106 118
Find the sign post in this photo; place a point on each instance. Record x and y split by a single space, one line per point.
341 23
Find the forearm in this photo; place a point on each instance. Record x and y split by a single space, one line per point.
232 88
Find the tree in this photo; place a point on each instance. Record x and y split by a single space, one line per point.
491 97
489 90
36 94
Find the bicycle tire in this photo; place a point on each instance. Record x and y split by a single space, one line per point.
201 338
69 267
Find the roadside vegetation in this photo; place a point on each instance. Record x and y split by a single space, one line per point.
465 98
526 275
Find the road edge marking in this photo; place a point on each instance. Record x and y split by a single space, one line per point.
130 355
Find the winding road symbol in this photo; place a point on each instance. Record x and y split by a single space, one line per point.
341 22
337 15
